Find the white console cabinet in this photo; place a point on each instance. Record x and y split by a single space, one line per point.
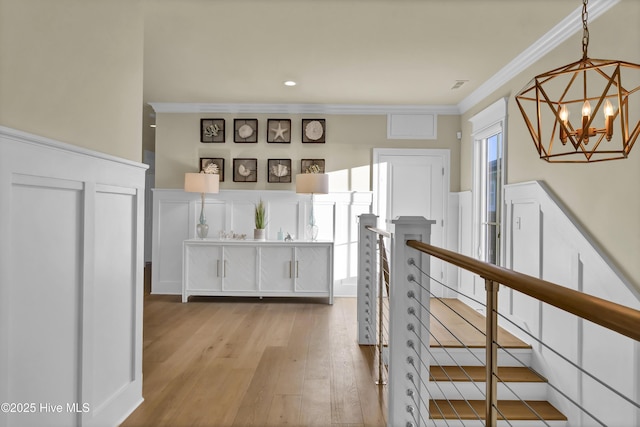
256 268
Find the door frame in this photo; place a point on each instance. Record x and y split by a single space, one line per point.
445 155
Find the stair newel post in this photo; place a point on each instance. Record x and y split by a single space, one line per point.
408 334
366 279
491 288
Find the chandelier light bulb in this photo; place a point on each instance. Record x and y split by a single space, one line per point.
608 109
586 109
608 120
564 113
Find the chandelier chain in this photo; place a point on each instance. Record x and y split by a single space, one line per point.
585 29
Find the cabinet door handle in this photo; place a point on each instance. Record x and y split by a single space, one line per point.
217 268
297 269
224 268
290 270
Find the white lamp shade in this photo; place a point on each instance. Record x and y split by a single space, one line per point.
312 183
201 182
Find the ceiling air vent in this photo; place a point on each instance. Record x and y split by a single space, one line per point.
458 84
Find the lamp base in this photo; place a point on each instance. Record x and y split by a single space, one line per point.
202 230
312 232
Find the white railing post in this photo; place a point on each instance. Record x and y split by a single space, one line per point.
409 322
367 280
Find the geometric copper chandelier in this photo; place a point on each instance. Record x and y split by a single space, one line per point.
584 111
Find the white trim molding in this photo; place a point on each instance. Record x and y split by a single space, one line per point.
338 109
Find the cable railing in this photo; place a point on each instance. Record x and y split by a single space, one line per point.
443 355
375 311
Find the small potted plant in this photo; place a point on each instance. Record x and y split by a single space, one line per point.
261 221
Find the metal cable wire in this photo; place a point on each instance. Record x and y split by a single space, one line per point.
450 380
576 404
602 383
447 286
503 348
636 404
431 375
533 411
452 359
437 406
410 361
447 329
424 422
449 307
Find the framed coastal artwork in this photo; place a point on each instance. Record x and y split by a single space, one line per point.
211 130
212 165
245 170
279 170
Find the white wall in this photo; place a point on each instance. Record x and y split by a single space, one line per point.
176 213
71 286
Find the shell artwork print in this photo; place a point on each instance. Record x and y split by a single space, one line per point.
279 170
214 165
245 170
279 131
245 130
314 130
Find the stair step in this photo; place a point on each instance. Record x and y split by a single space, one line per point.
477 356
510 409
478 373
516 383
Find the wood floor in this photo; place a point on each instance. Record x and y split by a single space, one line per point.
249 362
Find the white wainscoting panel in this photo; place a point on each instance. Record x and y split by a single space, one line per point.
542 239
71 287
176 214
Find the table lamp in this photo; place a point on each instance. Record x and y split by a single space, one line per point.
312 183
202 183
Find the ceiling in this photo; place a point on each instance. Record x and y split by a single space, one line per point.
342 52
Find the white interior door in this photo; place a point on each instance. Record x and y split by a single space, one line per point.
413 182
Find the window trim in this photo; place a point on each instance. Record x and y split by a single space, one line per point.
488 122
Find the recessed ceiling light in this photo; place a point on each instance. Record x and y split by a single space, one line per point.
152 126
290 83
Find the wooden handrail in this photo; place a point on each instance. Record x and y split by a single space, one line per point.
385 233
618 318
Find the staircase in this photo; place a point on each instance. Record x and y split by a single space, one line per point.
457 388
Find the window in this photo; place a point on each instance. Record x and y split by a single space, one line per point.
488 179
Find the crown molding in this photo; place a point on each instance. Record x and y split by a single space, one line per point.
552 39
338 109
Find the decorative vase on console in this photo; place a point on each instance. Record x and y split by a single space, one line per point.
261 221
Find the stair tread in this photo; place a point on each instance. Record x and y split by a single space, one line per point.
511 410
478 373
472 335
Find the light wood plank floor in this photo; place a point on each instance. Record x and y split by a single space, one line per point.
247 362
